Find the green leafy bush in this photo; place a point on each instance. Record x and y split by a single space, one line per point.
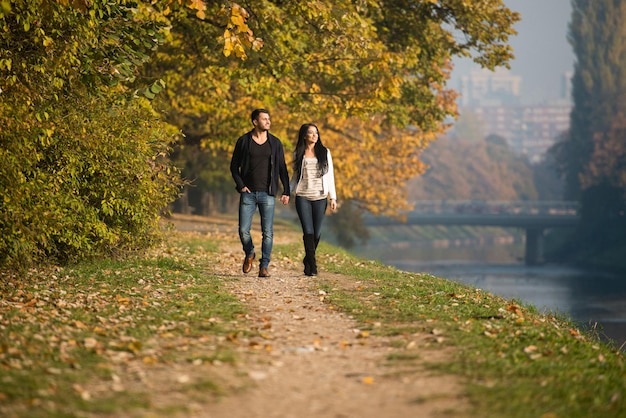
89 178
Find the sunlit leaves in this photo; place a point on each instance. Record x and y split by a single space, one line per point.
78 175
349 66
369 154
199 6
94 180
237 35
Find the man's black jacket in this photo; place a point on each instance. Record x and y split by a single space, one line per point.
239 163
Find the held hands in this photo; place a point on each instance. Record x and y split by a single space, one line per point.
283 198
333 205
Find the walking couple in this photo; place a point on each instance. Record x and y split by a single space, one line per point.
258 165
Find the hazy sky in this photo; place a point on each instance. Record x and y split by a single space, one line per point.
542 52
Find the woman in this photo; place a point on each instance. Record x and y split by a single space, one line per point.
313 182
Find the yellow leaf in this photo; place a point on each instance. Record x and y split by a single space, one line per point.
237 20
79 325
122 299
368 380
134 346
150 360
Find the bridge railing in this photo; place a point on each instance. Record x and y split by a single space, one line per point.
475 207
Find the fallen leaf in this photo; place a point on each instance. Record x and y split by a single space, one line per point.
90 342
515 309
82 392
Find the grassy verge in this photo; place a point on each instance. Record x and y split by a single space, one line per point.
65 334
515 361
62 329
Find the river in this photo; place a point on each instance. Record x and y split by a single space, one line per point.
591 298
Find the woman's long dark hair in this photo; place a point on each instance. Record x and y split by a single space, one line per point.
319 148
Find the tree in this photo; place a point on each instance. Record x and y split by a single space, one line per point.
464 169
592 156
83 167
371 74
598 36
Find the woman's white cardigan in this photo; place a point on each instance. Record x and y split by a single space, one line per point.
328 179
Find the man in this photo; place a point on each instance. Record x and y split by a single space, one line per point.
257 164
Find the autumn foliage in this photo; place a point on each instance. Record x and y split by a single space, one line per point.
371 74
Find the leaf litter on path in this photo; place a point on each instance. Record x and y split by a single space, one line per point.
308 360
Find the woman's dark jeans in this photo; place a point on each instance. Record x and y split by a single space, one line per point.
311 214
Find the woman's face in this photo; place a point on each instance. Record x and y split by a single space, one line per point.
311 135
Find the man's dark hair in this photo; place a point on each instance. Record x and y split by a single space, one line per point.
257 112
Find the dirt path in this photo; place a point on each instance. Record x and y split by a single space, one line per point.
312 361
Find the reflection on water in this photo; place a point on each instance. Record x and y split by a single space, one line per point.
592 299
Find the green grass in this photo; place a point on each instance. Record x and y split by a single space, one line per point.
515 361
65 330
61 328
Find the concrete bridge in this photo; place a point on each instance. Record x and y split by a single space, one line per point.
534 217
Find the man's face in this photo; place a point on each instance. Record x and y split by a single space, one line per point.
263 122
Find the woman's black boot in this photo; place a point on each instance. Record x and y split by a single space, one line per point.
310 264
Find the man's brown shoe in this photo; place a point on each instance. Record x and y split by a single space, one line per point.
247 263
263 272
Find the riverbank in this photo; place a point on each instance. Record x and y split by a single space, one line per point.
181 332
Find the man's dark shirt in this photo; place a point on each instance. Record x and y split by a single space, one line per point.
240 164
258 178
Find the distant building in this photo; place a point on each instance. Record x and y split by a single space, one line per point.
494 97
541 126
484 87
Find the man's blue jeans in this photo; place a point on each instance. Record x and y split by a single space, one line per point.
248 202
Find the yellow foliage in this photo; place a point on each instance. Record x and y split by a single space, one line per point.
373 163
371 74
237 35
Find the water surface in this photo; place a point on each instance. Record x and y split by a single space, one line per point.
593 299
